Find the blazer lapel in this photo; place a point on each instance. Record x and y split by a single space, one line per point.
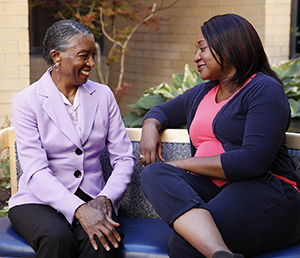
89 107
56 110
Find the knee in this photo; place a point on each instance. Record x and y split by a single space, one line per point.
153 175
148 174
54 237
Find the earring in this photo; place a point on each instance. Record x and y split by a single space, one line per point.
56 67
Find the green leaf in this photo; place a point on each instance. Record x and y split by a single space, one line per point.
150 101
133 119
287 69
295 107
138 108
191 78
177 79
165 90
4 211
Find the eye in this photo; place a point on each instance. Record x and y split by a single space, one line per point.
83 56
202 49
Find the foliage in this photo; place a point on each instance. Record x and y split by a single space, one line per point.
4 164
4 211
289 73
99 15
4 158
160 94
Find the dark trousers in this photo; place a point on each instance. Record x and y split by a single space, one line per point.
253 216
50 235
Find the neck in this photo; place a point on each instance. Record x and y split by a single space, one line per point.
69 91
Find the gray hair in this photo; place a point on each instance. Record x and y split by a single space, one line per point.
59 35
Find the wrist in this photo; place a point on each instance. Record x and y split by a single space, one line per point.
151 123
77 211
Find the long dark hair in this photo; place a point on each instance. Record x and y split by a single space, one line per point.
234 39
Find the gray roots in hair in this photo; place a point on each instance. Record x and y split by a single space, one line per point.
59 35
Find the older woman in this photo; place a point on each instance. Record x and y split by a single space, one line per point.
63 207
239 191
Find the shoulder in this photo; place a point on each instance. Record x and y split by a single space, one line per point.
97 89
264 86
41 87
100 93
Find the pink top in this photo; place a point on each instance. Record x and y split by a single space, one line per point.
201 131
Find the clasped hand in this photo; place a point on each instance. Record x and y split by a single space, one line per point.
96 219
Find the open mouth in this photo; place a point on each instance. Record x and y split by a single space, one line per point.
200 67
85 73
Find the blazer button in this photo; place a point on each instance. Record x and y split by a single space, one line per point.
78 151
77 173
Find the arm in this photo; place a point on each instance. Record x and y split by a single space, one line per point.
205 166
171 114
120 150
266 120
150 142
37 176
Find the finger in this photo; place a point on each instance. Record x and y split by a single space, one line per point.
94 243
142 158
111 233
112 222
102 240
113 236
153 156
159 152
109 211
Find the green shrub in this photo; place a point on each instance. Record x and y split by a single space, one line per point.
4 211
4 164
289 73
160 94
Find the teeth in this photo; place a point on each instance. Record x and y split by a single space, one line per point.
85 72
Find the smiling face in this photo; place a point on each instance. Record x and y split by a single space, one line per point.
207 65
75 63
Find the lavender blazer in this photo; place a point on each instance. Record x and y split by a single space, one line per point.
55 161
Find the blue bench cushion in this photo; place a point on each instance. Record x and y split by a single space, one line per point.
11 243
146 235
144 238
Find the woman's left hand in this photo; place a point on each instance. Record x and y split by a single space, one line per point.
102 203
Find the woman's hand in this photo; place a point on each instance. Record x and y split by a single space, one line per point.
150 143
102 203
96 222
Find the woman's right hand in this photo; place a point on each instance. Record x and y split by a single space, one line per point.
150 143
96 222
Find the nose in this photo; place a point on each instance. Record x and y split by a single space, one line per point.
197 56
91 62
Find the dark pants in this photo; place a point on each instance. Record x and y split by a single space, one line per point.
253 216
50 235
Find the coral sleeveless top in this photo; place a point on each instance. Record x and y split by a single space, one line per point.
201 131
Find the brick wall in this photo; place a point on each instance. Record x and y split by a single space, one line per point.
157 55
277 29
14 53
